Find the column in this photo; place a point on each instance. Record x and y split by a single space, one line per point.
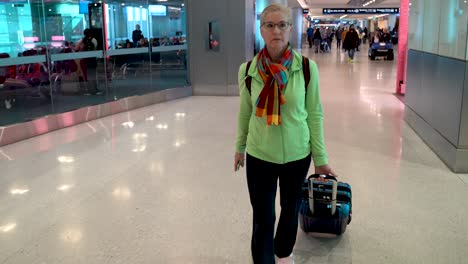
437 78
215 71
402 47
296 34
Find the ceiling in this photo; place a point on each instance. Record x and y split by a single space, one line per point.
127 2
341 3
315 6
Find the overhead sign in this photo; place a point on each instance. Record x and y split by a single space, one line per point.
358 11
305 11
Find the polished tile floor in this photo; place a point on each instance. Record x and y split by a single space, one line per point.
156 185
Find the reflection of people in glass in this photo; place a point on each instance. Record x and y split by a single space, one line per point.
128 44
136 35
89 65
143 43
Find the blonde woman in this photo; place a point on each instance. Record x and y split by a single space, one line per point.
280 126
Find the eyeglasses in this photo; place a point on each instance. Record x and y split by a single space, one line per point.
281 26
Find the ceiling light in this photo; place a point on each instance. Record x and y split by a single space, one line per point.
162 126
72 235
139 149
64 188
122 193
7 228
137 136
65 159
128 124
19 191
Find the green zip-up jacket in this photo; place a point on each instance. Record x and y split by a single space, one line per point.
301 129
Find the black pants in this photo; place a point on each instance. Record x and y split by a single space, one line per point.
338 43
311 41
262 180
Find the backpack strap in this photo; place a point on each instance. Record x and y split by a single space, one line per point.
306 71
248 80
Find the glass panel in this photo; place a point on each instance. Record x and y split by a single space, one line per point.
129 54
75 43
147 42
416 25
431 26
453 32
47 65
24 75
169 44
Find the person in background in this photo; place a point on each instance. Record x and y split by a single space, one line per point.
366 35
343 34
339 33
358 31
89 65
280 131
310 36
331 35
350 42
375 38
143 43
136 35
386 37
128 44
317 39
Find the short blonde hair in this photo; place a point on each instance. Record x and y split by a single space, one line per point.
284 10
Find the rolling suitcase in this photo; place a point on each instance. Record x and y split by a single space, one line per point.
325 205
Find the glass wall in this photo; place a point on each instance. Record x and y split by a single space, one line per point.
439 27
57 56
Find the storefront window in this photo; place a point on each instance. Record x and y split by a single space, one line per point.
60 56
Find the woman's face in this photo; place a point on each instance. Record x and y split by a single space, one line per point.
275 31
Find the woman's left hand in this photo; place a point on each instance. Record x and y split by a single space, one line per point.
325 169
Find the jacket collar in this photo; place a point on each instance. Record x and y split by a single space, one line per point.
295 66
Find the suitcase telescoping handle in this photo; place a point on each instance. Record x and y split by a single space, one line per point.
323 176
334 190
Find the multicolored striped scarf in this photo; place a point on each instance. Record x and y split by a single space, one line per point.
275 77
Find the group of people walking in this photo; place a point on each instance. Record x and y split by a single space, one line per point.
348 38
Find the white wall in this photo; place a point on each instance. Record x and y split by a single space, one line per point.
439 27
215 73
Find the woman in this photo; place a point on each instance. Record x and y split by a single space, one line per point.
375 38
317 39
350 42
280 126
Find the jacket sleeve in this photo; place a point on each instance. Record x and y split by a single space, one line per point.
315 118
245 112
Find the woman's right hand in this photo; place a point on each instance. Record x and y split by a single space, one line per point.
238 160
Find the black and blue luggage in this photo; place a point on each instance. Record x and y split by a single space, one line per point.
325 205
